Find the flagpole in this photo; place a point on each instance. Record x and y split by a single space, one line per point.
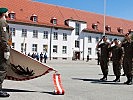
104 17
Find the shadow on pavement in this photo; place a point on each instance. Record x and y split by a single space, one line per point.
93 80
99 81
18 90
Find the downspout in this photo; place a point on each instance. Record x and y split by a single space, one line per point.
50 43
83 46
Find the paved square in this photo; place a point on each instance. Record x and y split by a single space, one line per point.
80 80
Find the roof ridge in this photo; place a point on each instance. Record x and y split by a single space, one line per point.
45 11
78 10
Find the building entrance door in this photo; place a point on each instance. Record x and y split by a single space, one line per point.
77 55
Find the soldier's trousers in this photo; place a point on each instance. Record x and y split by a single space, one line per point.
127 67
3 68
104 66
117 68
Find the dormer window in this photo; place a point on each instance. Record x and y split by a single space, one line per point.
34 18
120 30
12 15
108 28
130 30
54 21
95 26
66 22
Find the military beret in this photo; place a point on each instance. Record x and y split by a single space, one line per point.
3 10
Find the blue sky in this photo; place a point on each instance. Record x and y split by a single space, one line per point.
116 8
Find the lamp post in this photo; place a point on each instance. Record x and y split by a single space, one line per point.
104 17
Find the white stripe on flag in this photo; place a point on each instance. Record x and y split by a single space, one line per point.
58 85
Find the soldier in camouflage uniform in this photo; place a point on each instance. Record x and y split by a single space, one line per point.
104 59
4 48
128 58
117 53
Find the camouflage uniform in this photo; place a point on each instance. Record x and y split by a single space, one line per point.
4 47
104 59
127 60
117 53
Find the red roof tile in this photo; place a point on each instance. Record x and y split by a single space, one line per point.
24 9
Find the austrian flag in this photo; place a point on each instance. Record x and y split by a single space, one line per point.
57 84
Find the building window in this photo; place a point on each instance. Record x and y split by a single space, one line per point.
76 44
54 21
45 48
97 39
12 30
13 45
34 18
77 28
45 35
89 39
120 30
23 47
95 26
65 36
55 36
24 32
35 33
34 47
130 31
89 51
64 49
54 48
108 28
12 15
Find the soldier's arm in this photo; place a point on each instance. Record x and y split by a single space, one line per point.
110 47
121 54
4 37
10 37
98 44
122 44
110 50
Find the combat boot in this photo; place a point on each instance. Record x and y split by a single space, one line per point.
117 79
126 82
130 81
104 78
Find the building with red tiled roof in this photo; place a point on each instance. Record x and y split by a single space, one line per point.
59 31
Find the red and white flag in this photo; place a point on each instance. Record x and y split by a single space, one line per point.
57 84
